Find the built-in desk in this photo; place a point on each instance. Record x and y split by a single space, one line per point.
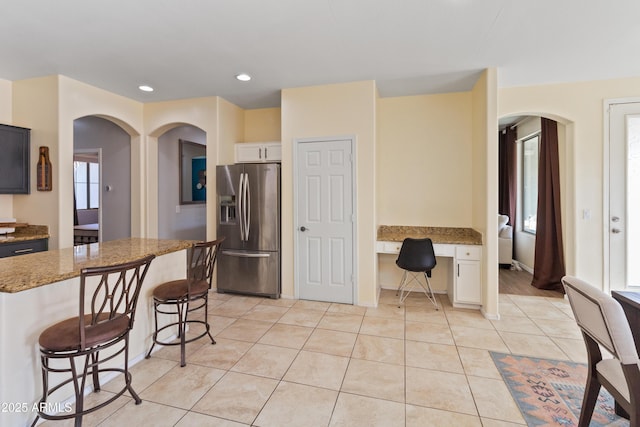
462 245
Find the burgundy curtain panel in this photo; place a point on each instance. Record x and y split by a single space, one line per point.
548 266
507 191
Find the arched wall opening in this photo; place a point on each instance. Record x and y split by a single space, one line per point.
176 219
112 211
123 153
525 242
168 218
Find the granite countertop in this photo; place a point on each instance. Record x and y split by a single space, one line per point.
30 232
442 235
24 272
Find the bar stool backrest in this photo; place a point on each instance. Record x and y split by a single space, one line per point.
115 295
202 260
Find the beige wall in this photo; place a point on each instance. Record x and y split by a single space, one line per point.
262 125
419 139
48 106
579 106
35 106
325 111
77 99
6 200
231 128
485 184
424 160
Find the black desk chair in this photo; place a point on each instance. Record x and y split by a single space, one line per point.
184 296
416 258
103 324
603 323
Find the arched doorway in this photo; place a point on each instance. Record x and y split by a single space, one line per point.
102 180
527 127
180 217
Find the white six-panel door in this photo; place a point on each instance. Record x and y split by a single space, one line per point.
325 220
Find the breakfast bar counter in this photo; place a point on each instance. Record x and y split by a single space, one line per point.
42 268
40 289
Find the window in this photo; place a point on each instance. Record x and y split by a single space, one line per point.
530 153
86 184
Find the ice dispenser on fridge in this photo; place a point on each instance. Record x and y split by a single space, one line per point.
227 205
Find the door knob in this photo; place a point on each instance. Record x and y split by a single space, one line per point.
615 230
615 219
303 228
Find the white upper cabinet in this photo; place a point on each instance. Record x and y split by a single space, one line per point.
258 152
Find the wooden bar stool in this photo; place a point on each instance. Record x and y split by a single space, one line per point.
105 318
182 297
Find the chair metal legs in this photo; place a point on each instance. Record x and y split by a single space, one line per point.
87 367
181 310
408 283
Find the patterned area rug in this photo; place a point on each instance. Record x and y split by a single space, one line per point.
549 392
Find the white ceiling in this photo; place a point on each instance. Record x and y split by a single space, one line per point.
194 48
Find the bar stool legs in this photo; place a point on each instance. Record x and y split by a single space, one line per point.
180 298
80 347
182 309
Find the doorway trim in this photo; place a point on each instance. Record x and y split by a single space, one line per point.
354 201
606 175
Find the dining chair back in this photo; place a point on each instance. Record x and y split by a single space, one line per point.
602 322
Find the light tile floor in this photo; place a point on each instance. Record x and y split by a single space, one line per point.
304 363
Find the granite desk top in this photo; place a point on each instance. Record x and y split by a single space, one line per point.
442 235
24 272
30 232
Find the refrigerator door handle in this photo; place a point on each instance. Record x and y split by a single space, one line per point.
245 255
240 206
247 190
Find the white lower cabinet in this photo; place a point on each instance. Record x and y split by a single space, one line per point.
468 289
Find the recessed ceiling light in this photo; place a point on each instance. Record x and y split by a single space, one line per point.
145 88
243 77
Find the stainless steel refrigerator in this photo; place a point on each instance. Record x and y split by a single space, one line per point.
248 197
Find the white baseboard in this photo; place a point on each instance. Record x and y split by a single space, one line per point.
489 316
